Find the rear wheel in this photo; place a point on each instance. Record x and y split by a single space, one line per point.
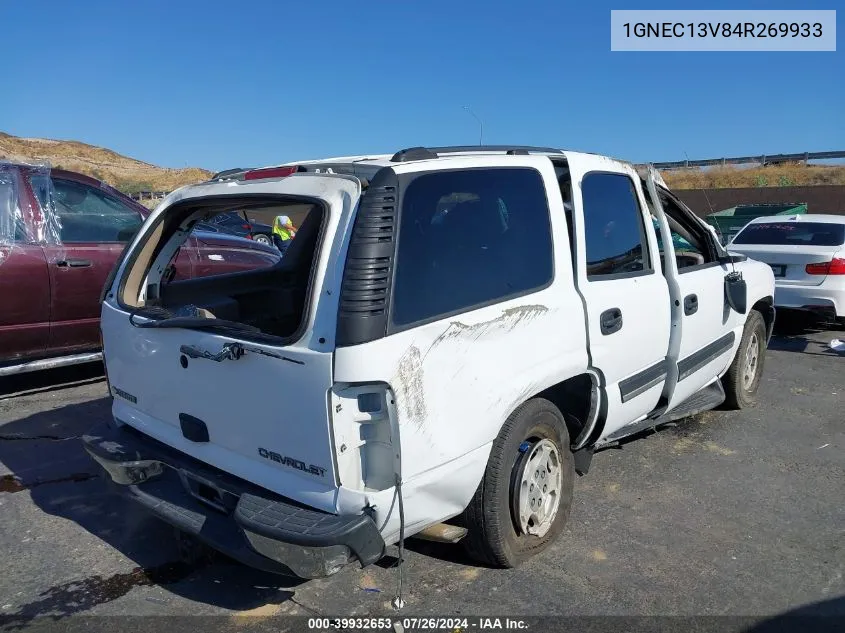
525 496
262 239
743 376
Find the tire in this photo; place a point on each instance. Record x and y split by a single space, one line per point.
495 531
262 239
740 391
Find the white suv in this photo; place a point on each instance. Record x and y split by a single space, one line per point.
449 337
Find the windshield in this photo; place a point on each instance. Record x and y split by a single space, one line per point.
792 234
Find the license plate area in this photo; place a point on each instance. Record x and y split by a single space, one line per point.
207 492
779 270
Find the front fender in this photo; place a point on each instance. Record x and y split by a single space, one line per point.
760 284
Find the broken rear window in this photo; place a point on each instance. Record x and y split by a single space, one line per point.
191 273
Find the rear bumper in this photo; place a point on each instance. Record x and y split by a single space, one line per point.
822 298
243 521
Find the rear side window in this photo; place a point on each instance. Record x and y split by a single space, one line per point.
470 238
792 233
613 226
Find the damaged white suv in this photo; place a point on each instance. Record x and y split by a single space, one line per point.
449 337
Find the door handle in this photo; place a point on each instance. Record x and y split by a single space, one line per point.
611 321
74 263
690 304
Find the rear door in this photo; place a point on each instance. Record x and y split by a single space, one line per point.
626 297
266 411
703 334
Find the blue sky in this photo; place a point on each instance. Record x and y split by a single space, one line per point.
223 84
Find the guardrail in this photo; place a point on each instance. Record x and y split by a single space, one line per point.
762 159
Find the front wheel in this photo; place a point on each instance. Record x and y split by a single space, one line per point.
525 496
742 379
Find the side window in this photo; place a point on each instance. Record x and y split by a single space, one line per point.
470 238
690 247
613 226
87 214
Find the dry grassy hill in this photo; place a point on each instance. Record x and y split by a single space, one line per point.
130 175
127 174
786 175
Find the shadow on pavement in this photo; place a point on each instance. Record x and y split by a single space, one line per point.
818 617
50 380
449 552
46 459
804 334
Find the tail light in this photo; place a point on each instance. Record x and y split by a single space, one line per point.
270 172
836 266
246 227
363 418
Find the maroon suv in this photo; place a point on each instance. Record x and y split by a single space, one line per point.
53 265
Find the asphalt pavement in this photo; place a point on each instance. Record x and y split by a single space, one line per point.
726 513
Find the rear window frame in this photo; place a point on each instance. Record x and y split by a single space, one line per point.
840 225
129 257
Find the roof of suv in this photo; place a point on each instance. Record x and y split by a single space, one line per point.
366 165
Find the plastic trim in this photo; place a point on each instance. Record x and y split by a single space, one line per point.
697 360
641 382
367 277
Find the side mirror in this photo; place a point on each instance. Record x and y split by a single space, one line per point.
736 292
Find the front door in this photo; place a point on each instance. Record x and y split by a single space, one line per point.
703 334
95 228
626 297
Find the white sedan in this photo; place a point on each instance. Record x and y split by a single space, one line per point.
807 255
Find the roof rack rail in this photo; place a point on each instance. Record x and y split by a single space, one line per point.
510 149
427 153
412 153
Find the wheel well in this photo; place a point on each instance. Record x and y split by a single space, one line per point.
765 306
575 399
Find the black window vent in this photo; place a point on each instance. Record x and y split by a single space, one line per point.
368 273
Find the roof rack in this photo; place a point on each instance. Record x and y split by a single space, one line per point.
427 153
